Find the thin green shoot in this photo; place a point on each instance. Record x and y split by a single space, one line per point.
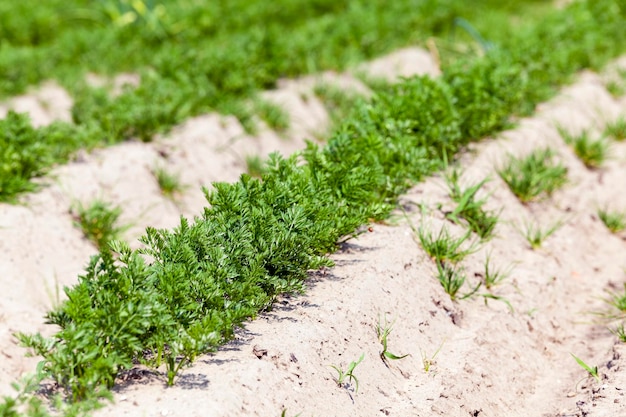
275 116
535 235
493 277
349 374
473 32
429 362
616 84
615 88
491 296
618 300
468 208
255 167
452 279
382 331
620 332
535 176
615 221
169 183
616 129
443 247
98 221
284 413
593 372
592 152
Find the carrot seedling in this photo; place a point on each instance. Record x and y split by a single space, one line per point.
592 371
616 129
535 176
592 152
349 374
383 331
478 220
429 362
443 247
98 221
493 277
255 166
535 235
615 221
169 183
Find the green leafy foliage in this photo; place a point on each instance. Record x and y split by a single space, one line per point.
254 166
592 152
616 129
493 277
257 238
615 221
616 83
593 372
428 362
275 116
620 332
26 152
535 235
444 247
534 176
98 221
452 278
478 220
195 57
618 300
169 182
382 331
348 373
337 101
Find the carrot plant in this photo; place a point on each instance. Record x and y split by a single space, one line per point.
615 88
534 176
452 278
492 277
337 101
428 362
615 221
272 114
478 220
443 247
348 374
616 129
382 331
592 152
27 152
254 166
593 372
535 235
620 332
219 67
618 300
99 222
169 182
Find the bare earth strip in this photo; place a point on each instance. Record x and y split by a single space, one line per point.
492 361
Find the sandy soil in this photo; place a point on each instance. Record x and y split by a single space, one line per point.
490 361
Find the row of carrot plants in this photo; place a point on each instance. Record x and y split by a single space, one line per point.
195 56
186 291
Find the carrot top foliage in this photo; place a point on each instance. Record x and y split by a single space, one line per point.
257 238
195 56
